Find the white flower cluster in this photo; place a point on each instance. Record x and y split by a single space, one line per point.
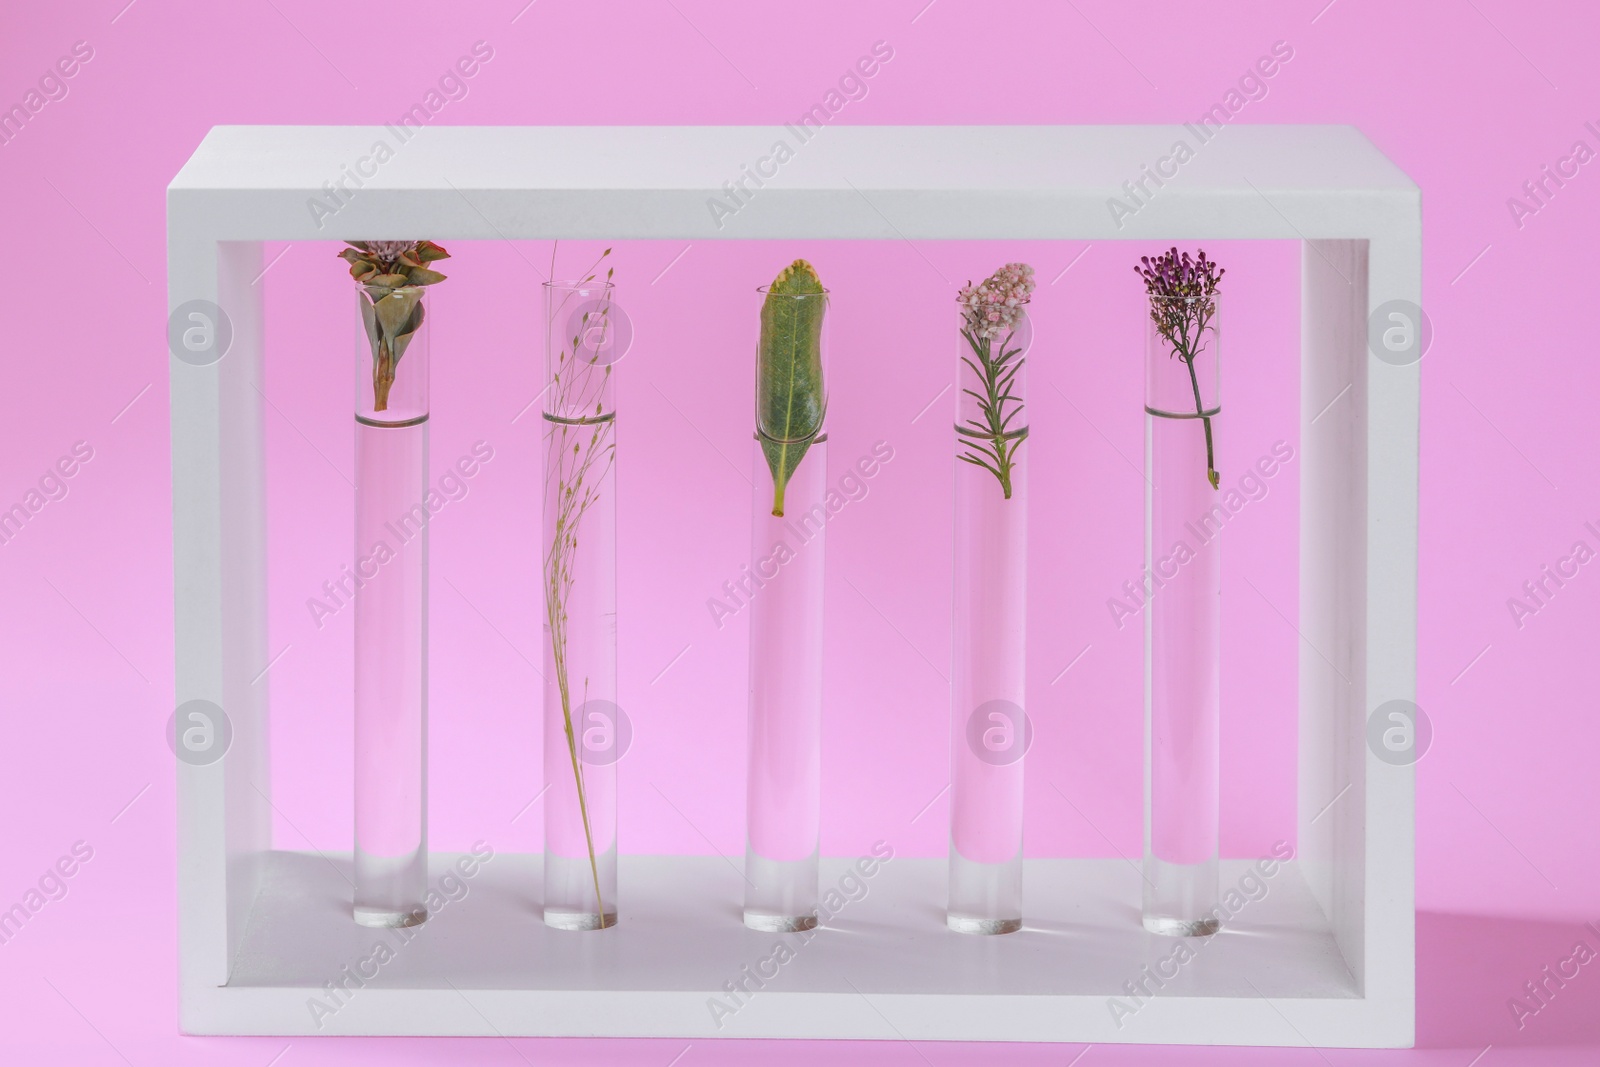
995 306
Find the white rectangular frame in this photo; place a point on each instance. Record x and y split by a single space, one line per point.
1358 218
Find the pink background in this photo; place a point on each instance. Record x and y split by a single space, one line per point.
1470 98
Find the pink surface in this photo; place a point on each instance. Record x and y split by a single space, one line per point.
1472 99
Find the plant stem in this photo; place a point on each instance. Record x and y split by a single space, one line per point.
577 768
558 585
571 460
1200 409
382 378
556 578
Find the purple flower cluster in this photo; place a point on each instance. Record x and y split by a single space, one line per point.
995 306
1175 276
1183 303
1183 296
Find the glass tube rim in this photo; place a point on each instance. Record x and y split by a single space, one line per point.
1024 302
578 286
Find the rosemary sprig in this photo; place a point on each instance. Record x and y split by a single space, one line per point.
581 453
991 312
991 443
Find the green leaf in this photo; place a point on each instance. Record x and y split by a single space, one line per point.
790 392
369 318
394 310
360 266
427 252
976 462
402 340
423 276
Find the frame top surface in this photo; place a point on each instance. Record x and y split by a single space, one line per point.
1061 159
528 182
